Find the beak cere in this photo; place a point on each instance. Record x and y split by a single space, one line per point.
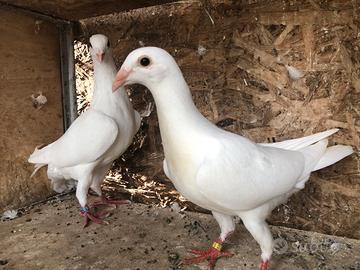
100 56
120 79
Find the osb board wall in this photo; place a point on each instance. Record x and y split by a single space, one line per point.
29 64
233 56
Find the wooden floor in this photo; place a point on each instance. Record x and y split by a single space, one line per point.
51 236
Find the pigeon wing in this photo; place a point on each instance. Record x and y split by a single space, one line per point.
241 175
87 139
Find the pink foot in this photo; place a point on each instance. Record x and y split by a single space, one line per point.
105 201
264 265
85 212
212 255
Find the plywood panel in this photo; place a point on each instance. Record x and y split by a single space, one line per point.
232 55
29 63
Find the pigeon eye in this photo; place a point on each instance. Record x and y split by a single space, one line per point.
144 61
108 44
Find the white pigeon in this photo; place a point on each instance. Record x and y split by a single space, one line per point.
219 170
96 138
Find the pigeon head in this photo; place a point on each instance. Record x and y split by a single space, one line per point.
99 46
148 66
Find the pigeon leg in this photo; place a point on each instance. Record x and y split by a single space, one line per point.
97 179
215 252
85 212
105 201
81 194
97 218
264 265
260 231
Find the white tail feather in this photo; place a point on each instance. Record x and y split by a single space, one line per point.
39 155
332 155
37 167
313 154
300 143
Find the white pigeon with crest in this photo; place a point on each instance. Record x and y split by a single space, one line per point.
219 170
95 139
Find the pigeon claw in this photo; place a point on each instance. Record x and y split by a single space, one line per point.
264 265
96 218
212 255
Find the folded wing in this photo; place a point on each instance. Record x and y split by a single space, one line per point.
242 176
88 138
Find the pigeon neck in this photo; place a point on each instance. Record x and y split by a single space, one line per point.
105 69
181 124
175 105
104 74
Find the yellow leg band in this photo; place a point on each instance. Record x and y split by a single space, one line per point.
217 246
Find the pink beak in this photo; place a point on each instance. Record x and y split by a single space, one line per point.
100 56
120 78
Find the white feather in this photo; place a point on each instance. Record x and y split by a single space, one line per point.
10 214
332 155
294 73
296 144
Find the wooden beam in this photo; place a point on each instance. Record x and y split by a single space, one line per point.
31 12
81 9
68 73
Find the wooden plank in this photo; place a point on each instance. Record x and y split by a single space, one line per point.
29 64
80 9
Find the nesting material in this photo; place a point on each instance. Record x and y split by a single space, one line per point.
84 75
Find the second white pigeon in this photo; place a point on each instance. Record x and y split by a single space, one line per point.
95 139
